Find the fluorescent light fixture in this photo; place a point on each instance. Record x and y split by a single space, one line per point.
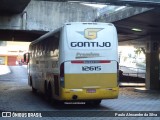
136 29
95 5
120 8
73 1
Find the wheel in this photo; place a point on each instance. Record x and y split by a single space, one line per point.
34 90
29 80
45 91
49 92
49 95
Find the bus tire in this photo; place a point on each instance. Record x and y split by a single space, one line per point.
29 80
49 92
34 90
50 98
45 90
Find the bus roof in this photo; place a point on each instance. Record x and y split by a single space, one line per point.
43 37
55 32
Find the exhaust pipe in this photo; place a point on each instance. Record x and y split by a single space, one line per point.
74 97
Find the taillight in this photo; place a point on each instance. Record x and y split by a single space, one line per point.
77 61
62 75
104 61
62 70
118 75
117 66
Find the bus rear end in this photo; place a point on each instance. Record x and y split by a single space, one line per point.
89 62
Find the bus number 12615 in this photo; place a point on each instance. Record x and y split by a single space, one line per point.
91 68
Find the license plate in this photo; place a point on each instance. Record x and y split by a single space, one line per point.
91 90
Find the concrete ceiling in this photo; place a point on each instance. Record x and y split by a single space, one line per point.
12 6
142 3
19 35
148 22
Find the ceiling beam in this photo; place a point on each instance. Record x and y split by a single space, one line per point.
144 3
12 6
18 35
122 14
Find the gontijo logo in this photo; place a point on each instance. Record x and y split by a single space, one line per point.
91 33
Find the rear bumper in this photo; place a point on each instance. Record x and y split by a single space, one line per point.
82 94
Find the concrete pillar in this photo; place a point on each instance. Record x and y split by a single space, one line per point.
152 64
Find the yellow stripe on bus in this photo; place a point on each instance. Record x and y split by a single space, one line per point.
67 94
100 80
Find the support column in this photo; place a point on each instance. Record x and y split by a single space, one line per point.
152 64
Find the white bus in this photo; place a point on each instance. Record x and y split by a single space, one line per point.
79 61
